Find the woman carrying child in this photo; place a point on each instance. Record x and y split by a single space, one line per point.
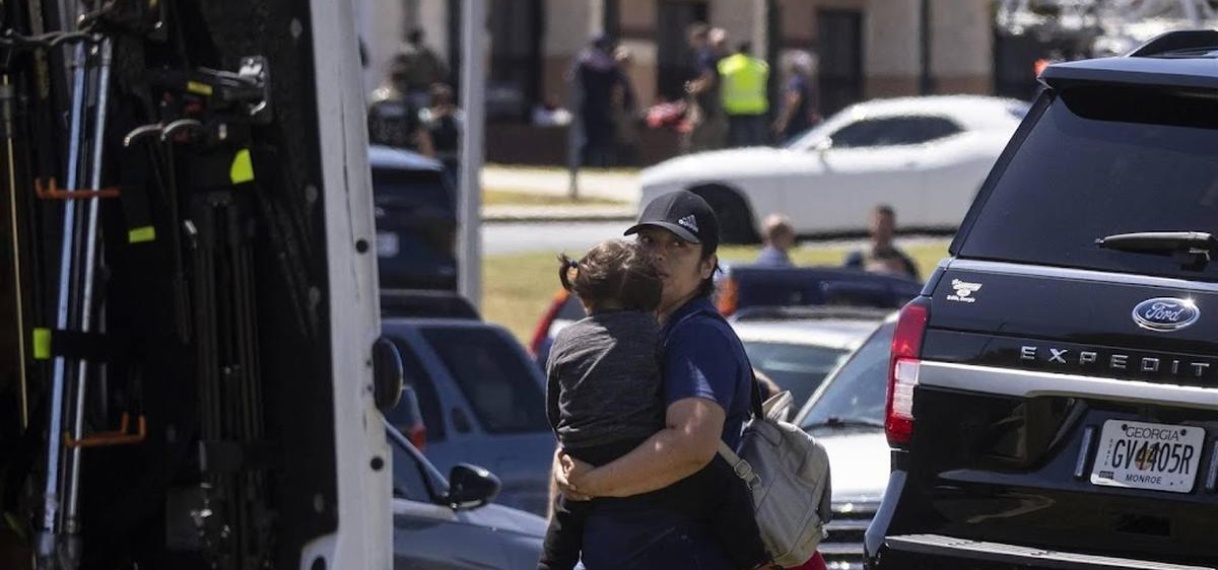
664 499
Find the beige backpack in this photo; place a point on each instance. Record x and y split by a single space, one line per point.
788 474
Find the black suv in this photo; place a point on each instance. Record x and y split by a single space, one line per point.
416 221
1053 392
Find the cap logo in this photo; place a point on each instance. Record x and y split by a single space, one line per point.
689 222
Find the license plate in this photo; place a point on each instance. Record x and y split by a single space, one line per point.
386 244
1140 455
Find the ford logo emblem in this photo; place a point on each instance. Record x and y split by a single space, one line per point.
1165 314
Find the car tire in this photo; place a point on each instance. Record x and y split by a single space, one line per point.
735 215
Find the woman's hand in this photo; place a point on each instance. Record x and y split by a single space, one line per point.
576 473
566 467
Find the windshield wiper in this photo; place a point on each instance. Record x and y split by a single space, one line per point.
839 422
1192 248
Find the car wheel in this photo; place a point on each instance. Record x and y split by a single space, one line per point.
735 215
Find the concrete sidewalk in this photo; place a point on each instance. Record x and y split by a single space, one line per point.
617 185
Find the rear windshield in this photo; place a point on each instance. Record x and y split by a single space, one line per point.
1103 162
858 390
501 385
395 187
799 368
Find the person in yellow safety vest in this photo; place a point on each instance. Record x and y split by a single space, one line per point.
743 94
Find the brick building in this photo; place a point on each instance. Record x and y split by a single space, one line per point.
865 48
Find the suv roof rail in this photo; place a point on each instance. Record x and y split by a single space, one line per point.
777 313
1177 40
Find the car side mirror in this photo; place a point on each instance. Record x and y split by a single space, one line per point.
470 487
387 374
822 146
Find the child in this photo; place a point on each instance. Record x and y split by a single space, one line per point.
603 397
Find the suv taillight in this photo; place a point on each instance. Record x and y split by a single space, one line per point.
903 367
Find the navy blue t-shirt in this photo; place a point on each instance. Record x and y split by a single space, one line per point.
801 118
703 358
707 61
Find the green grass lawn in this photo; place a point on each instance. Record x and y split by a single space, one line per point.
517 289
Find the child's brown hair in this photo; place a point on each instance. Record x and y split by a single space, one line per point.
614 274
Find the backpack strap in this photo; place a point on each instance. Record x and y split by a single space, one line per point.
739 465
758 413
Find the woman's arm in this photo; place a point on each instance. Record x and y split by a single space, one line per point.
784 116
688 443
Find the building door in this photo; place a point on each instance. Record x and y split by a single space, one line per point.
839 36
516 28
674 63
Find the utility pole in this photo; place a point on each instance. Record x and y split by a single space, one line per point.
926 81
469 199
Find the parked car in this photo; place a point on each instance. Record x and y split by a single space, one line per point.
797 347
452 523
846 415
416 220
743 288
564 309
1054 393
426 303
482 400
925 156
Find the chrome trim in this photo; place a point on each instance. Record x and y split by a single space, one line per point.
1211 478
1031 384
855 509
840 549
936 544
1081 275
1080 464
847 525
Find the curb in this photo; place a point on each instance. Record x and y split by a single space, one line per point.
546 214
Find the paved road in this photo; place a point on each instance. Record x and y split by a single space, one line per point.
574 238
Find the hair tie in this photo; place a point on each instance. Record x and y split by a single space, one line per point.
573 264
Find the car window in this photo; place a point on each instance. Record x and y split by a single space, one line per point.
502 386
409 477
799 368
1098 163
858 390
416 376
894 131
396 187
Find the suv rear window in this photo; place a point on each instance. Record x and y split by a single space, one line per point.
1103 161
498 381
398 188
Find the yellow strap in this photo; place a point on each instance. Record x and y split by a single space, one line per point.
42 343
243 168
141 235
199 88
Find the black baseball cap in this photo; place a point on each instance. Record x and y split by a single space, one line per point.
683 213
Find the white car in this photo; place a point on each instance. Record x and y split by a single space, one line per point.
797 347
846 415
925 156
